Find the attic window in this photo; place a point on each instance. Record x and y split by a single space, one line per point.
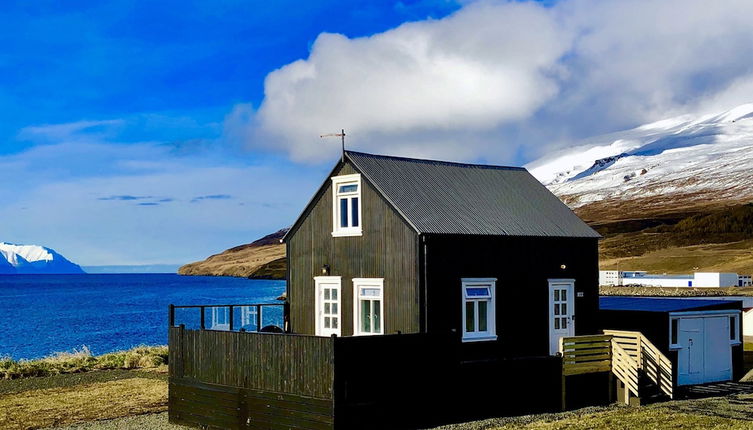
346 205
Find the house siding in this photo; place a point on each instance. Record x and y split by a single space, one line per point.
522 266
387 249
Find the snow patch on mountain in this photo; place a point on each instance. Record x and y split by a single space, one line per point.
706 157
33 259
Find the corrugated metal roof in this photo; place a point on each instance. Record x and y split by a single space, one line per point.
439 197
653 304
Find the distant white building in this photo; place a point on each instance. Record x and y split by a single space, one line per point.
698 279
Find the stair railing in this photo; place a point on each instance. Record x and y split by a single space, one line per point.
657 366
625 368
654 364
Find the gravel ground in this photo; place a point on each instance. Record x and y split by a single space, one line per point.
737 407
522 420
139 422
8 386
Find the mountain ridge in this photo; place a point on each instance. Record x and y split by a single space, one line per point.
676 164
263 258
34 259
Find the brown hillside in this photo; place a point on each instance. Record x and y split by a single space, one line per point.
715 240
261 259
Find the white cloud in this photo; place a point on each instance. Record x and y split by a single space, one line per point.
56 132
499 79
99 202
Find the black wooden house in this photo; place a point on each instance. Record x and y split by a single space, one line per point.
417 246
419 292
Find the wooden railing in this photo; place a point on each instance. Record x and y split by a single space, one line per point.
657 366
233 317
586 354
654 364
624 353
626 370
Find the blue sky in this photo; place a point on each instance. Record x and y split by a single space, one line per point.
139 132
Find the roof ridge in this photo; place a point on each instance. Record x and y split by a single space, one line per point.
427 161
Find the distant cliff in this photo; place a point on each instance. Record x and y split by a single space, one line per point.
261 259
33 259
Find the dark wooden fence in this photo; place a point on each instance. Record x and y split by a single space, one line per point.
236 380
225 379
293 364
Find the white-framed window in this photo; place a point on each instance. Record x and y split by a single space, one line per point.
734 329
479 300
328 321
368 306
674 333
220 318
346 205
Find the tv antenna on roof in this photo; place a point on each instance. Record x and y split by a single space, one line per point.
341 135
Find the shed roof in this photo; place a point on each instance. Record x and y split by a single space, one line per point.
654 304
439 197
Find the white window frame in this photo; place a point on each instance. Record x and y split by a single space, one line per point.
733 315
358 283
491 320
220 318
337 181
318 281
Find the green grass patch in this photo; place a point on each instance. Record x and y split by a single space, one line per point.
82 360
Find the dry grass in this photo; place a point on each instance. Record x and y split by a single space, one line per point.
717 257
636 418
67 405
242 261
82 360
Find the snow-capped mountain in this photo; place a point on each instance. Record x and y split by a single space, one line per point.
33 259
687 160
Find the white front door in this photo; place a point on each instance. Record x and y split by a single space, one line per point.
561 312
704 353
327 305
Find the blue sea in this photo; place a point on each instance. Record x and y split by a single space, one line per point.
44 314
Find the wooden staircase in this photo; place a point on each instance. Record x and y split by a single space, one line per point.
628 355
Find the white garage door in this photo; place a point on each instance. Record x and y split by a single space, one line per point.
704 350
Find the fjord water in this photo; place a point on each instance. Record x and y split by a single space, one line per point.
44 314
